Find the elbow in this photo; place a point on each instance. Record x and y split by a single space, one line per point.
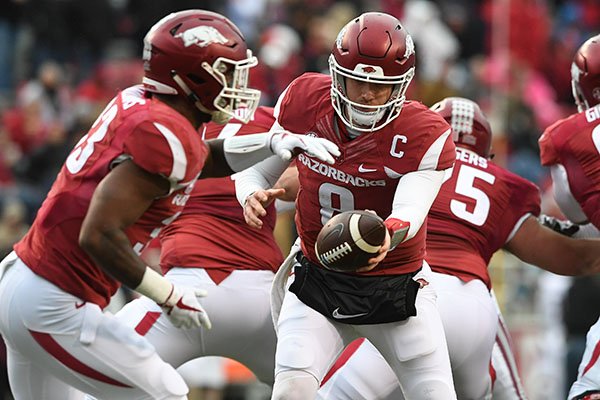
89 241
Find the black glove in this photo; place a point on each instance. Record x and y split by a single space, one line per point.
566 228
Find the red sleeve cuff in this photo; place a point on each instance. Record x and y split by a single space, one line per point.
398 230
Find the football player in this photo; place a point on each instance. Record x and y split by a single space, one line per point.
127 179
210 247
394 155
571 148
480 209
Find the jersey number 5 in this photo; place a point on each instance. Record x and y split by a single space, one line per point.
465 186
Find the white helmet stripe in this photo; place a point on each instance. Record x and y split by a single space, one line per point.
177 151
463 113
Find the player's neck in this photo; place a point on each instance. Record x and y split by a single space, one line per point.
185 108
345 133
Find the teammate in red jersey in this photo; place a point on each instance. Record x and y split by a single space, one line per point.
127 179
571 148
210 247
480 209
394 157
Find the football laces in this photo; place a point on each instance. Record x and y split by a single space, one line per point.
335 254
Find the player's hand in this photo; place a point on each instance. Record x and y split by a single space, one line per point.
385 248
287 145
183 308
255 204
566 228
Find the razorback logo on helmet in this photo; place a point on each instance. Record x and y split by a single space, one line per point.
373 70
201 36
596 93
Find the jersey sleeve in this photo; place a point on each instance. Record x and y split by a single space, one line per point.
154 147
438 149
293 114
262 122
440 155
526 200
548 153
448 153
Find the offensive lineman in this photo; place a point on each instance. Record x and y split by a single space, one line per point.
571 148
124 181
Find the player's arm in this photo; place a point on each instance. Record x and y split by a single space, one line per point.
538 245
118 202
289 182
417 190
413 198
236 153
254 188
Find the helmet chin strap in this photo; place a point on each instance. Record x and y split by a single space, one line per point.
218 117
364 118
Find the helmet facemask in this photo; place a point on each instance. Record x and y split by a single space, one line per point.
202 57
236 99
362 117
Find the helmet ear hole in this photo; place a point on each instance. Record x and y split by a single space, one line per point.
174 30
196 79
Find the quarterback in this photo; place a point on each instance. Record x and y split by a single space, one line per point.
394 156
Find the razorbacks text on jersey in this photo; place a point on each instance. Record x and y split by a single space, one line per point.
366 174
478 209
132 126
574 143
211 232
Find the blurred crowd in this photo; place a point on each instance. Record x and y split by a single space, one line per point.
61 61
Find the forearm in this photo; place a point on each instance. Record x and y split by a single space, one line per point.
263 175
111 250
588 259
414 196
236 153
538 245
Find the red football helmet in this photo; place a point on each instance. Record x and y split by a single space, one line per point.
470 127
373 47
202 56
585 74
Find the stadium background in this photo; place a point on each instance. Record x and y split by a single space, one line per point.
62 60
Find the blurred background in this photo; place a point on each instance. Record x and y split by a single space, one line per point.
61 61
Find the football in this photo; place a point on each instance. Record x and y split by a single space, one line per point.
348 240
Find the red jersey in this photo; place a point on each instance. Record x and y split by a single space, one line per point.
475 214
366 174
574 142
152 135
211 232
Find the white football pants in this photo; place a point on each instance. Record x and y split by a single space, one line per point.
54 341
